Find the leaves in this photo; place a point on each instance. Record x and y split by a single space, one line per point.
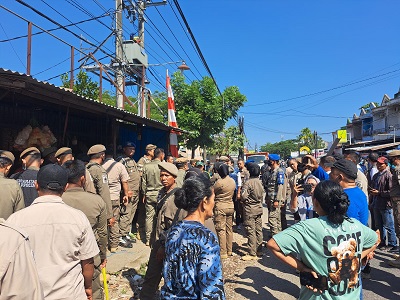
201 110
229 141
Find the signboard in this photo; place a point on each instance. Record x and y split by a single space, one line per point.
342 136
304 150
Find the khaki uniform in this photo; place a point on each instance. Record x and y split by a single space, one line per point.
395 199
126 218
142 161
95 210
59 229
89 185
100 181
18 272
151 185
362 182
224 189
167 216
116 175
180 178
244 175
11 197
141 210
252 197
275 192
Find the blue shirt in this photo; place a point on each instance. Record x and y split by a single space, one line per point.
358 208
192 265
320 174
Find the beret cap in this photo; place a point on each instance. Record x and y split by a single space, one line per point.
63 150
96 149
130 144
7 154
30 150
170 168
275 157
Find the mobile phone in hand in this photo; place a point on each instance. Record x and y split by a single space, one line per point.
320 283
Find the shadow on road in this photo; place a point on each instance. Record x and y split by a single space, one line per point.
383 282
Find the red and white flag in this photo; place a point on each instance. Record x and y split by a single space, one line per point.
173 138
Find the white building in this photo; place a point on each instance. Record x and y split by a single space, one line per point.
376 123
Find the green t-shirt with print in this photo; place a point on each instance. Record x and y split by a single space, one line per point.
330 250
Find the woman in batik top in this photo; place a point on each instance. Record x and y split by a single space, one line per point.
192 267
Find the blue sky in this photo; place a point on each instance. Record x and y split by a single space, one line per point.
300 63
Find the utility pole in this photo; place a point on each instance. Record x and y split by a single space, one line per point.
119 74
241 132
315 143
142 5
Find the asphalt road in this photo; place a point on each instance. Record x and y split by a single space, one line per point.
269 278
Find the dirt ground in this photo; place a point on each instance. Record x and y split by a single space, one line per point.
126 285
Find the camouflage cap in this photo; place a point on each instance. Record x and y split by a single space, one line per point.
151 147
96 149
7 154
180 160
28 151
224 158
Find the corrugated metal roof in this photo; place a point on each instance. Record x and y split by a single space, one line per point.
374 148
77 99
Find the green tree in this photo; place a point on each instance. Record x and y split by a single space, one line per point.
202 111
229 141
283 148
83 85
307 138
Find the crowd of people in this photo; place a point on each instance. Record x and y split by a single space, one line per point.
70 212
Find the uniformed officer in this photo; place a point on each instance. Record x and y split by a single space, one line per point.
275 197
394 157
167 215
151 185
251 198
93 206
97 155
147 157
11 196
63 155
62 238
126 218
182 164
224 188
18 272
140 217
117 177
31 162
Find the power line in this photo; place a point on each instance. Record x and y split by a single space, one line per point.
324 91
12 46
196 45
52 29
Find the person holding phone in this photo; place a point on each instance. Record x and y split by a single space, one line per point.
302 202
330 247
